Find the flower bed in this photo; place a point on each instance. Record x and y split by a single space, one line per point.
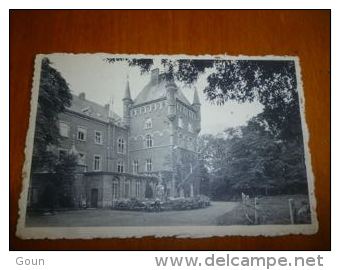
172 204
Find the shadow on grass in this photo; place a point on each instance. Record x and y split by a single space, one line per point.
271 210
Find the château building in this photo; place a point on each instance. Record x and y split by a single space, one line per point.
154 143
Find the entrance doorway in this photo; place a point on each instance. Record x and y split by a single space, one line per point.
94 198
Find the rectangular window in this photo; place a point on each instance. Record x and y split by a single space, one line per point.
121 146
81 134
135 167
120 166
98 137
148 165
64 129
97 163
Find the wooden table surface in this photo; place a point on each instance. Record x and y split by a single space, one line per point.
300 33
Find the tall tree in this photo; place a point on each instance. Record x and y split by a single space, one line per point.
272 83
54 97
267 153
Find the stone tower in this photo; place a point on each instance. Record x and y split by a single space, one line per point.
164 127
171 89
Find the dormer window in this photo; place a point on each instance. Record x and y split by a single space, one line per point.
86 110
148 123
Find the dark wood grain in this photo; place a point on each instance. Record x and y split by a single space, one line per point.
302 33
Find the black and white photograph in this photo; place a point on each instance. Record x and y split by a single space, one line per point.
166 145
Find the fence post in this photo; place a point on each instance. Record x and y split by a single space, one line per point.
291 210
255 209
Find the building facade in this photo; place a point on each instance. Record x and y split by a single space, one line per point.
153 144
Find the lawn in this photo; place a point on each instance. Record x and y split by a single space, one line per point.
271 210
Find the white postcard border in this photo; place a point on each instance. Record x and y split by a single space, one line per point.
162 231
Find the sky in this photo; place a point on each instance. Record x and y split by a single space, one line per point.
101 81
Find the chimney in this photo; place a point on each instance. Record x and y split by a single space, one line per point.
107 107
82 96
154 75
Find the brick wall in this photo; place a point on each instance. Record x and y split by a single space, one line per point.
107 150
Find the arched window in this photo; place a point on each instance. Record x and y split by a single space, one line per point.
180 122
115 189
97 163
137 188
185 140
190 143
64 129
135 167
180 137
148 141
148 123
190 128
148 165
120 166
121 146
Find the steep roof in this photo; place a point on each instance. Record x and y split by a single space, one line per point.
156 89
196 98
127 94
92 109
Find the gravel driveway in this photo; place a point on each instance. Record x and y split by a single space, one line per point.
106 217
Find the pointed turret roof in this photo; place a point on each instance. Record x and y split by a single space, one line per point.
196 98
127 94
